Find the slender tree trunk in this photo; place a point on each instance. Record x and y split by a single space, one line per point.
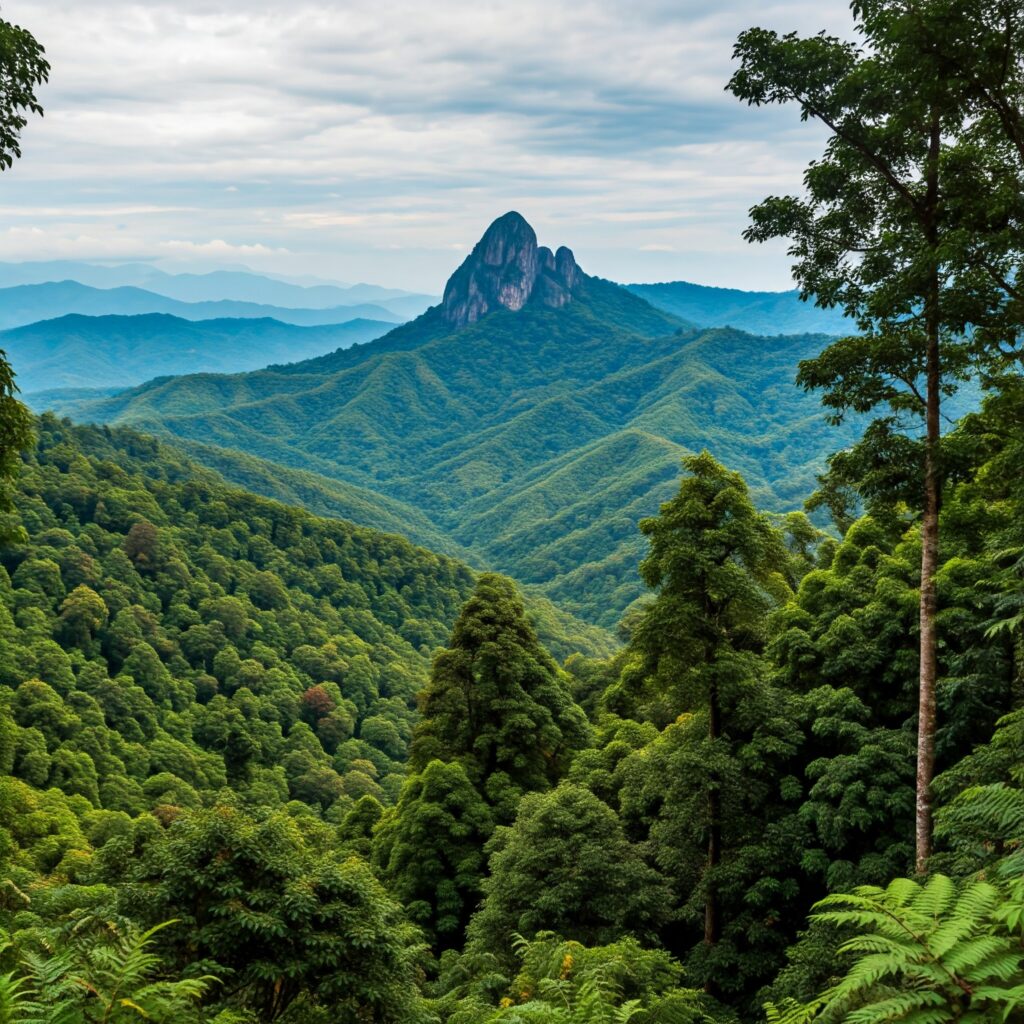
711 922
929 544
929 659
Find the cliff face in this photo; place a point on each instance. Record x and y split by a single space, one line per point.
507 269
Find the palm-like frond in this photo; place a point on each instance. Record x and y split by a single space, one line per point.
925 953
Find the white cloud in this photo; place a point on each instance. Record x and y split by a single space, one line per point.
218 248
326 131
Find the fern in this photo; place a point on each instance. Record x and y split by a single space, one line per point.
926 953
105 977
986 823
14 998
566 983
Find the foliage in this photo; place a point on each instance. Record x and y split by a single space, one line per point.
937 951
108 975
275 918
23 68
563 982
565 865
430 849
15 437
162 632
497 702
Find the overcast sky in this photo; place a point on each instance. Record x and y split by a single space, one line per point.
374 140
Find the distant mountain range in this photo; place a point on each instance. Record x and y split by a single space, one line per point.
30 303
239 285
764 313
81 352
532 418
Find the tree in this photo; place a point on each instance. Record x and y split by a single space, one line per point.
430 850
278 919
891 231
142 543
497 702
82 613
566 866
22 69
716 565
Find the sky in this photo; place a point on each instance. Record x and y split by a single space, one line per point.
375 140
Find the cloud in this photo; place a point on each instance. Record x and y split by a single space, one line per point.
218 248
329 130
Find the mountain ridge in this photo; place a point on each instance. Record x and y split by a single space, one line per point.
31 303
758 312
241 284
535 438
77 351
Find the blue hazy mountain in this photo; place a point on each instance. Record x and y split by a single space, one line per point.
240 285
764 313
87 352
29 303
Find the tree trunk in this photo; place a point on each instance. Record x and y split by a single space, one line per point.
929 659
711 922
929 543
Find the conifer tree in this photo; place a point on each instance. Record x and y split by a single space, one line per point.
498 703
716 565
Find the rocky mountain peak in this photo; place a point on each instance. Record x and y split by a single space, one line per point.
508 269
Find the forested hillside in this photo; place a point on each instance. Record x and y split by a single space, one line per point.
190 669
177 610
260 766
534 439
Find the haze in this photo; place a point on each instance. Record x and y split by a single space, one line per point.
373 141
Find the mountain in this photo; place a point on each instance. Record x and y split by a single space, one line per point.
240 285
120 351
29 303
766 313
506 270
533 417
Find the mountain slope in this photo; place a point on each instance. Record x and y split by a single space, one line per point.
757 312
162 633
534 417
77 351
29 303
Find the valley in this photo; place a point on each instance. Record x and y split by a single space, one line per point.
533 438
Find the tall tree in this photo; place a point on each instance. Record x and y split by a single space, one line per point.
497 702
565 866
716 564
889 229
22 68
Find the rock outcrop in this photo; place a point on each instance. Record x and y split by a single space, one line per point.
507 269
